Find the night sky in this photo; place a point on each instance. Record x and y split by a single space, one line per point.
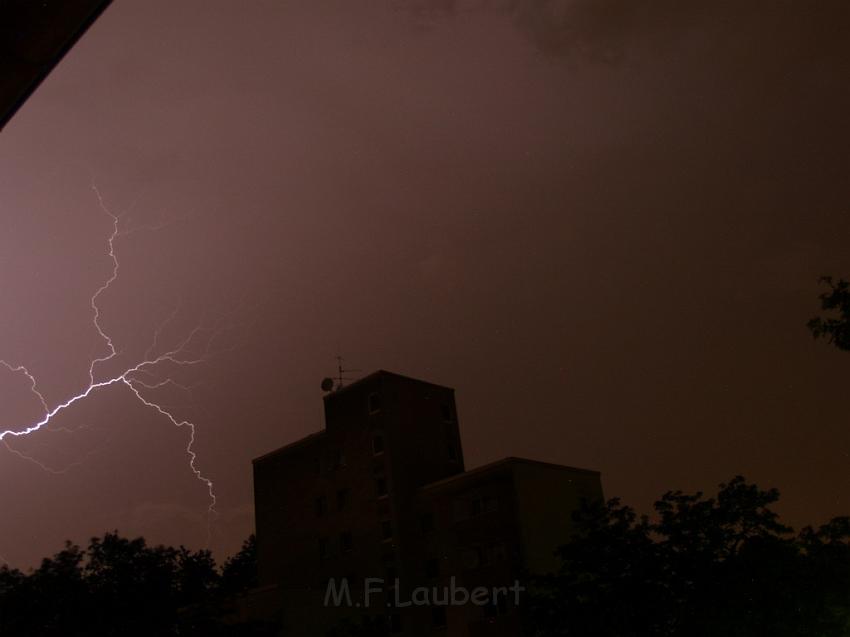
602 222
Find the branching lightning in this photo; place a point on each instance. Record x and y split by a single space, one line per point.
150 366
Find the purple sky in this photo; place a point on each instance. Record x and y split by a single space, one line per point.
601 222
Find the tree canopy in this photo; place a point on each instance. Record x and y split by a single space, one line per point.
119 586
701 566
835 327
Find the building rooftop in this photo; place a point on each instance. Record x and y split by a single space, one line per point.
302 442
378 374
505 464
34 37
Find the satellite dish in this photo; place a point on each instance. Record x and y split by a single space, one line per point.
327 384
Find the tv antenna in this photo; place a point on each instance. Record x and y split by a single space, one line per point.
333 384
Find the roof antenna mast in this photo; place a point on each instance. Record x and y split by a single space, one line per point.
328 383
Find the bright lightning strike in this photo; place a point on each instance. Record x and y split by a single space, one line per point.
129 378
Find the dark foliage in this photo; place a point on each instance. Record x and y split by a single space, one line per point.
119 586
703 567
835 329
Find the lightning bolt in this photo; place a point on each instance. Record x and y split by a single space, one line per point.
150 365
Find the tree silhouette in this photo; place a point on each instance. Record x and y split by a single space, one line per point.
702 567
836 330
119 586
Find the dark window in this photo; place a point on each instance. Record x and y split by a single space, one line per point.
342 499
374 403
432 568
438 617
377 444
470 558
500 552
394 622
386 530
496 605
475 507
451 452
426 523
321 506
323 547
317 466
338 460
460 510
381 486
345 541
446 411
392 576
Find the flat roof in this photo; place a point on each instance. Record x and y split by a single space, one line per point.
314 437
501 465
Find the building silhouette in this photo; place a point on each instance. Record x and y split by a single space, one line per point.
352 520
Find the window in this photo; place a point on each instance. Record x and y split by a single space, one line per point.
451 452
471 558
447 412
497 604
342 499
374 403
394 622
460 510
338 460
432 568
323 548
386 530
500 552
381 486
321 506
475 507
317 466
377 444
426 523
438 617
345 541
392 576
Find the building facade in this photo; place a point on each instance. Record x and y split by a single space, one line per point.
374 521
